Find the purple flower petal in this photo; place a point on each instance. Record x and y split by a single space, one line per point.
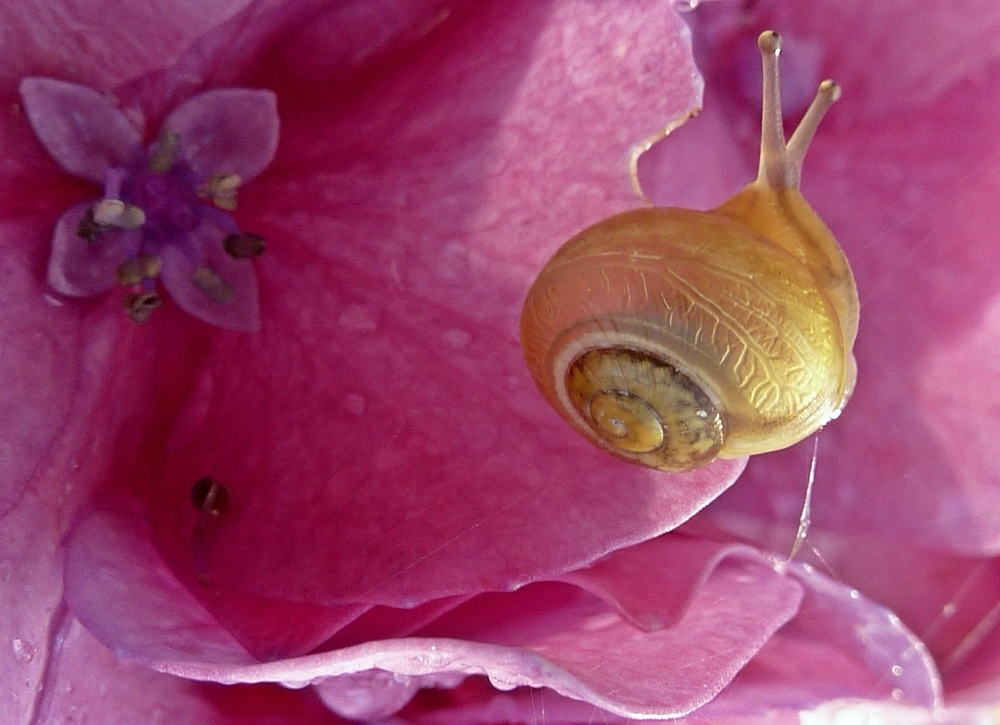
82 129
80 268
227 131
110 569
242 311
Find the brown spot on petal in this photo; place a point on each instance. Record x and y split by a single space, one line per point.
209 496
88 228
213 285
244 245
140 305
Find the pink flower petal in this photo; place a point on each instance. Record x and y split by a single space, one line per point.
83 130
382 426
114 575
115 587
86 682
590 654
79 38
227 130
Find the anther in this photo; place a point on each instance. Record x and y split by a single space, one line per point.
165 154
135 270
221 189
88 228
213 285
116 213
244 245
140 305
209 496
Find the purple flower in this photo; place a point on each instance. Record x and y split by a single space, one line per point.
162 214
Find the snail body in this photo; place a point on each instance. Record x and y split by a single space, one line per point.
671 337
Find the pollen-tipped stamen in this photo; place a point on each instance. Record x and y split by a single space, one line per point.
209 496
116 213
88 229
165 153
243 245
140 305
139 268
221 189
213 285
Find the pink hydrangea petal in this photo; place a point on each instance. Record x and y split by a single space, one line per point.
40 344
78 38
243 313
382 622
114 575
681 564
82 129
79 268
115 587
395 279
560 637
227 130
86 682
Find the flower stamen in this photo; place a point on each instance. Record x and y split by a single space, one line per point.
209 496
221 189
134 271
116 213
140 305
243 245
213 285
165 154
88 229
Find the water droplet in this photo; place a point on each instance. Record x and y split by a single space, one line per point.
855 594
24 652
359 318
897 694
456 339
948 610
686 6
897 670
453 262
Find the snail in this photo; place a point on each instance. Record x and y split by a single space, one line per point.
672 337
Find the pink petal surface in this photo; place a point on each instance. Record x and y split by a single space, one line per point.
82 129
56 38
51 439
87 683
837 645
587 650
374 451
228 131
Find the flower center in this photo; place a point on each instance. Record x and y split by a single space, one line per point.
160 202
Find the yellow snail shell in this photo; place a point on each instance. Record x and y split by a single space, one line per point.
671 337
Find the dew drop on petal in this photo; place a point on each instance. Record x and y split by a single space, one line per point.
24 651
